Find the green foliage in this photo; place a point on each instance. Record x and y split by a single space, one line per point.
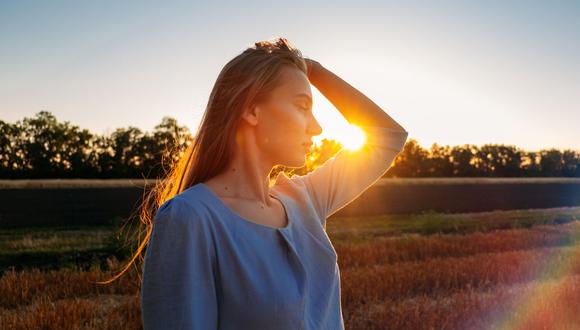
43 147
488 160
318 155
54 247
363 229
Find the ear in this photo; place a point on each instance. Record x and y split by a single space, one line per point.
251 114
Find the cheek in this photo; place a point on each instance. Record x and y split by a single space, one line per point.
284 128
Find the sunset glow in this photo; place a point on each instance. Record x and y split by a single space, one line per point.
352 137
129 66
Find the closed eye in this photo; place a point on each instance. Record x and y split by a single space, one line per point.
304 108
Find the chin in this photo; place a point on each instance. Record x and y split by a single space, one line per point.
296 162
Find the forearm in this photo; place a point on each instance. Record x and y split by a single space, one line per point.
357 108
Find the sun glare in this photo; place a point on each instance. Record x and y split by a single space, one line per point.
352 137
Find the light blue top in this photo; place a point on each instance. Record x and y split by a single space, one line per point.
206 267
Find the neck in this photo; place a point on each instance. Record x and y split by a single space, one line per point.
246 177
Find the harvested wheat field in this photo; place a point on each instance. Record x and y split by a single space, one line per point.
493 270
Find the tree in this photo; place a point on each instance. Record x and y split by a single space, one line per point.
571 166
127 151
46 148
411 162
43 147
7 150
552 162
465 160
531 164
439 161
500 160
167 144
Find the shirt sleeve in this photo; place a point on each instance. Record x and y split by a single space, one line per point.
347 174
178 288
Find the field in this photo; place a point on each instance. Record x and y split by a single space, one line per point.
488 270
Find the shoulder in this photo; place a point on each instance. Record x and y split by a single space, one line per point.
180 211
300 193
178 229
294 182
294 187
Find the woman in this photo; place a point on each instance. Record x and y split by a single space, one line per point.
226 249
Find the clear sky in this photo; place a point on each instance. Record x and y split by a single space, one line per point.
450 72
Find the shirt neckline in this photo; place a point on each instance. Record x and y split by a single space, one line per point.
253 223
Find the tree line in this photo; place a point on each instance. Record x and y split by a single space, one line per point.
43 147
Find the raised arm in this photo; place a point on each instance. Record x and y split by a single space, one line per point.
356 107
349 173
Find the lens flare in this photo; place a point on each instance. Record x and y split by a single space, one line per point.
352 138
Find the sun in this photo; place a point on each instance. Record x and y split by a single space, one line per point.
352 137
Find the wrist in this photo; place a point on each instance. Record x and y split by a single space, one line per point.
314 69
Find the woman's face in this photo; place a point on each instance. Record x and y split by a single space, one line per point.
286 124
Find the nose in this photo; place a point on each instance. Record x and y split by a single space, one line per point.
314 127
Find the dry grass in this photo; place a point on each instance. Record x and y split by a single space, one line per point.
415 247
526 278
445 275
43 240
363 229
551 304
93 312
69 299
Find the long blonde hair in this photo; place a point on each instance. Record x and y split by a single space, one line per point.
245 80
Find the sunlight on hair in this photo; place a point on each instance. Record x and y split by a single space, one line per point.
352 137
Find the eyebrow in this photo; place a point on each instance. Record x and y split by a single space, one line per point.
304 95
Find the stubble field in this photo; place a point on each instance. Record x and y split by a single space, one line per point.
489 270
